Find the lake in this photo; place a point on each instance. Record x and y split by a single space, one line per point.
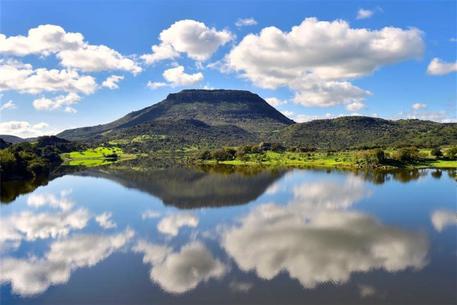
229 236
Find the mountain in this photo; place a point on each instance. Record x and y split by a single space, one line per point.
215 108
12 139
188 188
362 132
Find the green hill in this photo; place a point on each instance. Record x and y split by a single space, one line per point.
365 132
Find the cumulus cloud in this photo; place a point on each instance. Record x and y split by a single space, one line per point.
190 37
364 13
104 220
439 67
7 106
317 59
171 225
245 22
23 128
178 272
24 78
443 218
70 49
326 247
177 77
32 276
61 201
112 81
316 240
61 101
418 106
275 102
32 226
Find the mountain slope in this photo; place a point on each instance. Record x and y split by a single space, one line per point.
360 132
242 109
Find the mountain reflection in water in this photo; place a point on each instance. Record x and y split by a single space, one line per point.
270 236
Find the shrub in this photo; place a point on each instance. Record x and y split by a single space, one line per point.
436 152
451 153
205 155
407 154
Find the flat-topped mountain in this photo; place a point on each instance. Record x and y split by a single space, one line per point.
241 109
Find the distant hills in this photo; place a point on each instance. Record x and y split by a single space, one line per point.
364 132
234 117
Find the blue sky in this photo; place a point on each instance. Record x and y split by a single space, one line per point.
389 59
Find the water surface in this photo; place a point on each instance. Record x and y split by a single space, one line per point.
224 236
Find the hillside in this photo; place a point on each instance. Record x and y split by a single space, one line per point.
12 139
361 132
241 109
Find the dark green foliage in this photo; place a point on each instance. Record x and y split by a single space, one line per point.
4 144
365 132
372 157
407 154
224 154
451 153
436 152
27 160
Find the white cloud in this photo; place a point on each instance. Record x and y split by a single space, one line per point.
245 22
70 48
364 13
62 201
418 106
112 81
23 128
97 58
178 272
171 225
191 37
23 78
315 239
443 218
439 67
104 220
275 102
317 59
32 226
148 214
34 275
355 106
320 93
7 106
42 40
323 247
57 103
177 77
300 117
156 85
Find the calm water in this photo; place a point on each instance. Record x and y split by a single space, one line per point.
180 236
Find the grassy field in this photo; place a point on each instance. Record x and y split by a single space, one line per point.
343 159
96 156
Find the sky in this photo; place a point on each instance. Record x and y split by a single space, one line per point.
67 64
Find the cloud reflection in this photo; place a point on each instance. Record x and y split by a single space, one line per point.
316 240
178 272
443 218
34 275
170 225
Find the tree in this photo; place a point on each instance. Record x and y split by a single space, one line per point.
436 152
451 153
